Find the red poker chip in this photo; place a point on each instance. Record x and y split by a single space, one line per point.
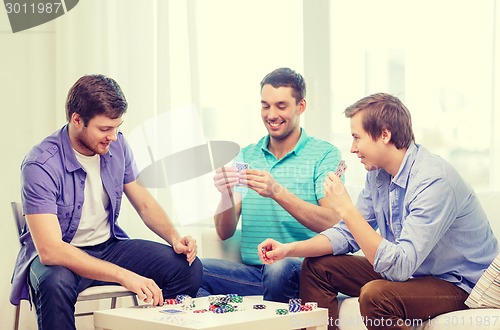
200 311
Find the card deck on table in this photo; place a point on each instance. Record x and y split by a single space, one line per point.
171 311
341 169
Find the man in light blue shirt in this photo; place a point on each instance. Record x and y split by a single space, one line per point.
434 240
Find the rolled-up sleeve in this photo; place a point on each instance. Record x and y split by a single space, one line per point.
340 244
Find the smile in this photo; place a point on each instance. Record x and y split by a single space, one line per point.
274 124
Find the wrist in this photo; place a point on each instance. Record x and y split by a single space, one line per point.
348 212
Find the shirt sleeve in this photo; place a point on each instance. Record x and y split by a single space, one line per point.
38 190
431 209
131 170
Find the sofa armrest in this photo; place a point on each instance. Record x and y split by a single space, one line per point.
214 247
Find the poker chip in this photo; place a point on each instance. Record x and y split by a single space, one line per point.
281 311
200 310
306 308
237 299
259 306
294 308
219 310
228 308
294 301
171 301
313 305
180 298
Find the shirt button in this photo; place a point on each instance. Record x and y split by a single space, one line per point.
67 214
82 182
71 231
54 147
79 206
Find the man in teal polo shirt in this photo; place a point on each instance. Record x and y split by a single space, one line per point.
279 196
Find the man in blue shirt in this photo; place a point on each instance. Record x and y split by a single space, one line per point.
72 187
279 196
434 240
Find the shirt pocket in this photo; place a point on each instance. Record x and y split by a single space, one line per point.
65 215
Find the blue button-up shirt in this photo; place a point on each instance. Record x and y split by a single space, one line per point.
430 220
53 182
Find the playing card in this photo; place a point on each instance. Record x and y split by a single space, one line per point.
341 169
170 311
241 166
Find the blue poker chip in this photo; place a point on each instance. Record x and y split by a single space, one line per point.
294 308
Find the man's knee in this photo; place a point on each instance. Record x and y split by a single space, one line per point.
373 294
280 273
54 281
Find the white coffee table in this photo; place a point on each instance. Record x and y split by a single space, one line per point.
247 319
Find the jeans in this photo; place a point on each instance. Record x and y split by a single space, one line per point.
276 282
55 289
383 304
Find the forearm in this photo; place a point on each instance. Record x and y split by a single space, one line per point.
367 238
226 218
315 217
317 246
157 220
83 264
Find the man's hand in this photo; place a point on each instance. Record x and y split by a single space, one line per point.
145 288
336 195
271 251
226 178
186 245
262 182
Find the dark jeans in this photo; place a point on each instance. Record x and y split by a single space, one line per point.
55 288
383 304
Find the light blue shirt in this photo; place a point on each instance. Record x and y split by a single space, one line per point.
430 220
302 171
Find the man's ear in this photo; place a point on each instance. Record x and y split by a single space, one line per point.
386 136
302 106
76 119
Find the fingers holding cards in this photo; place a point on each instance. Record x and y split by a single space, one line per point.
240 166
341 168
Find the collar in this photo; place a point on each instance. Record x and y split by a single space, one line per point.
72 164
304 138
401 178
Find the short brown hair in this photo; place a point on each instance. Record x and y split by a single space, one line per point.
94 95
286 77
381 111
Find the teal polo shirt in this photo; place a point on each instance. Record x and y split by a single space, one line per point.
302 171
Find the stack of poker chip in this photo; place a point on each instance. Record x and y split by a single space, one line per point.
185 301
294 305
311 305
281 311
259 306
222 304
171 301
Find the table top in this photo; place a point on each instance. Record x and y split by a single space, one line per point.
173 317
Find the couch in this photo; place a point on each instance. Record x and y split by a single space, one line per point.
349 315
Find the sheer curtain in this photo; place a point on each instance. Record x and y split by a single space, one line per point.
190 71
440 58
